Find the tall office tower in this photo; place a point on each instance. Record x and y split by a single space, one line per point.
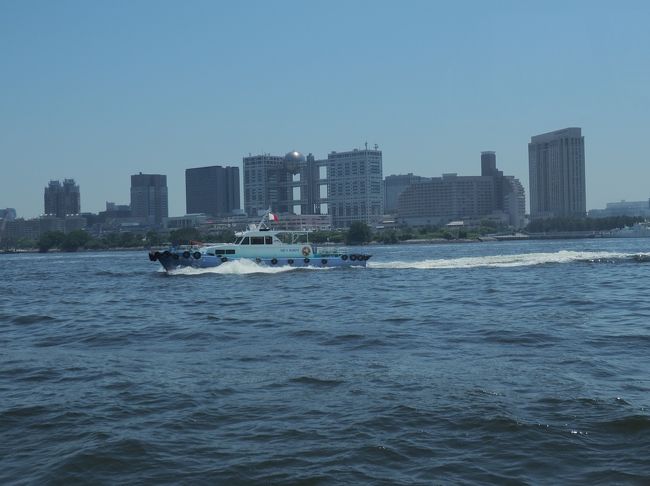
355 186
212 190
262 177
62 200
394 185
149 197
556 164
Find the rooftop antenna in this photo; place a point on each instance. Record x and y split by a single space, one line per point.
376 146
366 145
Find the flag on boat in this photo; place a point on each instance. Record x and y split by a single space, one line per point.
273 217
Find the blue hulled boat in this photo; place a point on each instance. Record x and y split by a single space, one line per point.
263 245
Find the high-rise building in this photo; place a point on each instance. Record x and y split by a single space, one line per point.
289 184
394 186
556 163
149 198
347 185
355 189
439 200
62 200
212 190
265 183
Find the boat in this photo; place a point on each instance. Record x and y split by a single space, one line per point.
263 245
637 230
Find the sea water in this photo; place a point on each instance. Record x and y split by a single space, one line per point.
500 362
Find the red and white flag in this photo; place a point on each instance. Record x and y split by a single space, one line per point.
273 217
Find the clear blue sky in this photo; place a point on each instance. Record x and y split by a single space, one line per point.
97 91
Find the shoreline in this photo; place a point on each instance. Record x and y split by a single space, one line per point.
422 241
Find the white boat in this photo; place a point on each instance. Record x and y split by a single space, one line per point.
637 230
263 245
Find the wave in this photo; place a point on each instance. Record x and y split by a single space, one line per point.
517 260
240 267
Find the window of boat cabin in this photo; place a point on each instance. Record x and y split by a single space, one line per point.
268 240
245 241
257 240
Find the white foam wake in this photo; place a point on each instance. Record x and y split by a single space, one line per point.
239 267
501 261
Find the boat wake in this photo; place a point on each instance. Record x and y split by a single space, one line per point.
239 267
518 260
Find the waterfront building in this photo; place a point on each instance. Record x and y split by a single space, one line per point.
394 186
149 199
212 190
355 189
266 181
347 185
439 200
32 229
187 221
556 162
61 200
285 184
623 208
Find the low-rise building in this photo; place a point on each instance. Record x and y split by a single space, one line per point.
438 200
622 208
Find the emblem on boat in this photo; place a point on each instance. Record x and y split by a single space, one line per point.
306 250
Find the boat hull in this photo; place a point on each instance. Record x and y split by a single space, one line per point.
171 260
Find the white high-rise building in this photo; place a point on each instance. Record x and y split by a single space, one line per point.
355 189
556 163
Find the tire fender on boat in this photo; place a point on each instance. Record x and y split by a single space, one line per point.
353 257
306 260
186 254
224 259
274 261
197 255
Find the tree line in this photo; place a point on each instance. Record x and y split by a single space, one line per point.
359 233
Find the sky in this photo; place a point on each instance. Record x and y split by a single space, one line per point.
98 91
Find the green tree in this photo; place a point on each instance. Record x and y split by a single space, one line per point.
74 240
49 240
154 239
358 233
183 236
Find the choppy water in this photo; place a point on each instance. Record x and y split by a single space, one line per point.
518 362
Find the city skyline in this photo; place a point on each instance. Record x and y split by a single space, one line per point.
97 92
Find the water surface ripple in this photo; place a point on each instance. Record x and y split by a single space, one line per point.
517 362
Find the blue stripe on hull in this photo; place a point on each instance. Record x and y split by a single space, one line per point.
209 261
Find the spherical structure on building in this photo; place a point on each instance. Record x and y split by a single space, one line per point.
293 161
294 156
